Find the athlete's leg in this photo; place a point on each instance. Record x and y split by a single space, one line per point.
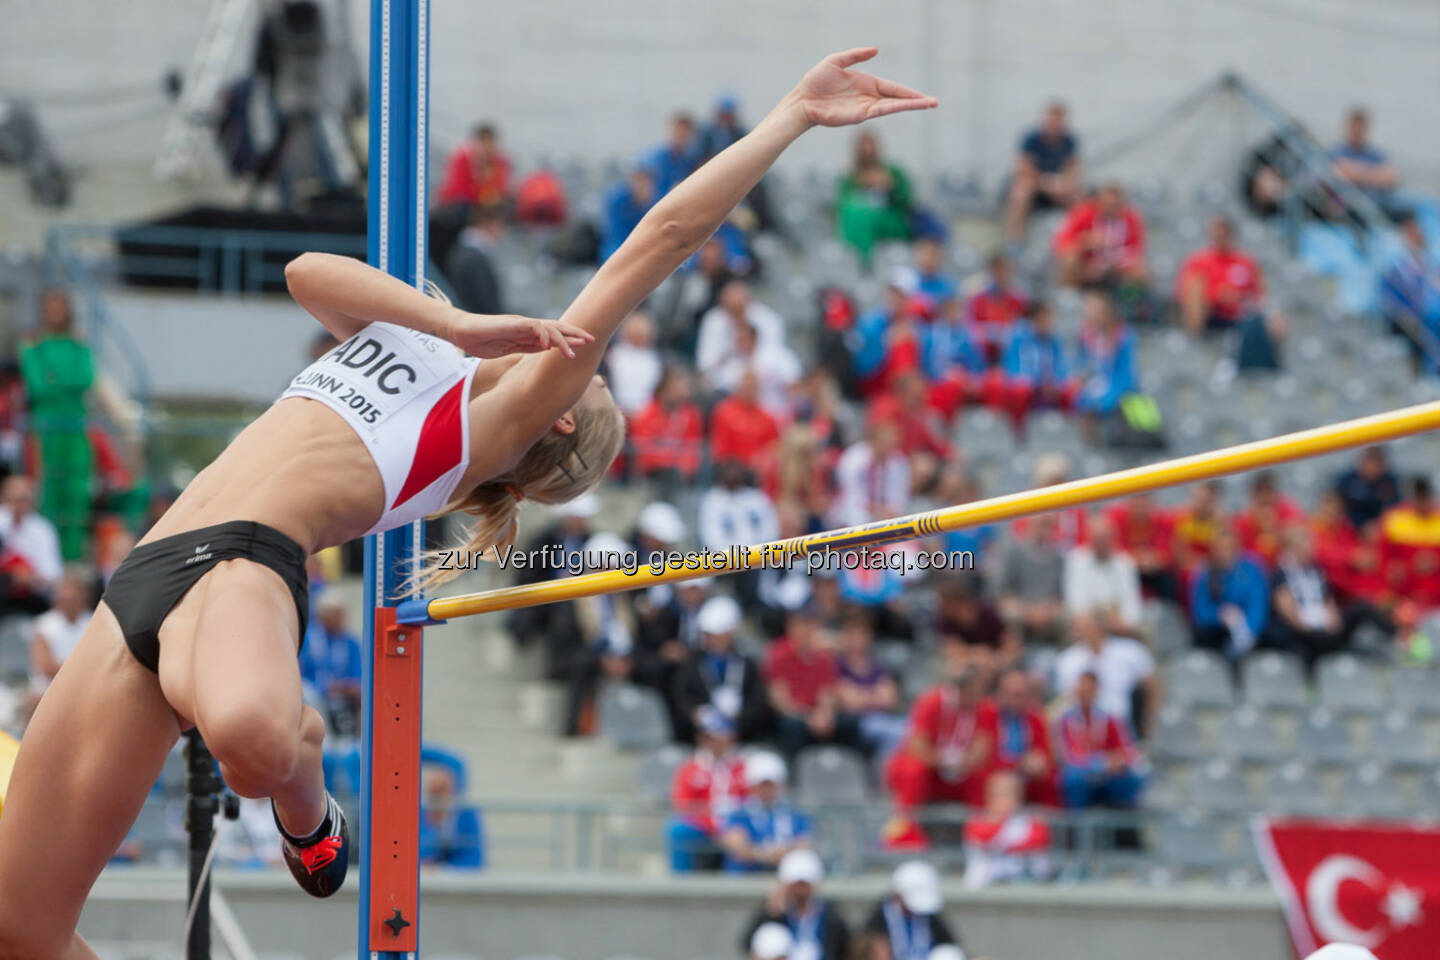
93 750
240 675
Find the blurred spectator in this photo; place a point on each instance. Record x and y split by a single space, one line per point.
450 833
922 435
765 827
975 633
802 681
1359 163
707 787
1230 599
1263 522
1035 368
733 511
1101 579
770 941
13 428
57 632
1410 532
952 355
865 689
634 363
1218 286
1306 618
625 204
815 926
775 368
1004 843
1147 533
934 280
1099 764
667 625
678 157
885 340
741 430
1047 172
58 372
1410 293
1072 526
540 201
724 129
478 172
719 676
1030 583
553 625
721 328
667 433
872 477
606 649
30 538
957 487
1196 524
251 842
947 751
801 476
1338 548
331 661
907 924
1101 243
1124 667
1022 738
1369 488
874 201
997 306
1106 363
699 293
469 266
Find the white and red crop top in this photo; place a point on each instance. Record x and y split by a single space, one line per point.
406 394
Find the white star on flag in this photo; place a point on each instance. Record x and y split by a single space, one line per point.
1402 906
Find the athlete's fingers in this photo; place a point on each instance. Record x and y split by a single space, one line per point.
889 88
846 58
574 332
884 108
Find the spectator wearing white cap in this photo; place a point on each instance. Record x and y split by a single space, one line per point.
606 624
907 925
553 624
766 827
706 788
770 941
815 925
718 675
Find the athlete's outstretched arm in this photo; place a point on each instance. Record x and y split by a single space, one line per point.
345 294
539 388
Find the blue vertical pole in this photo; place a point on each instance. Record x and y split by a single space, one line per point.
399 114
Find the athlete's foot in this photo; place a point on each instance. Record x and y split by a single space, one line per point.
318 861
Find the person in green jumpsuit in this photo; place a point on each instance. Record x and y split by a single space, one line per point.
58 371
874 201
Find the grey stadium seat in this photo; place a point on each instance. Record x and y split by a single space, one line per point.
1273 680
1218 787
1189 842
1199 678
1177 735
1293 790
1417 689
829 774
633 717
657 772
1249 736
1324 738
1350 684
1369 791
1399 741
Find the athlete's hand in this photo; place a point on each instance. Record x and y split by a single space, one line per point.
498 336
831 95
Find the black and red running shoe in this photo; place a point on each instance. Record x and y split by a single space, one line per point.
318 862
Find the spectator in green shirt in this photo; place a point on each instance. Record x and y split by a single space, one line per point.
874 201
58 371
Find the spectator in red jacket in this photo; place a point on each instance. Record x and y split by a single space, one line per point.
740 428
1101 242
706 789
1410 533
802 682
946 755
1021 736
1147 532
994 309
1196 524
1005 843
1098 760
478 172
1261 525
1219 285
666 434
1338 548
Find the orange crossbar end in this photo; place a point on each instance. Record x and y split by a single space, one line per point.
394 910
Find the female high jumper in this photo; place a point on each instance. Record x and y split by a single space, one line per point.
201 623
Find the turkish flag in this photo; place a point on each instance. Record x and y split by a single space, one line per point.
1374 886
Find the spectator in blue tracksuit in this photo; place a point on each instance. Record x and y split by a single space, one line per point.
625 204
1230 599
1105 363
948 345
868 340
450 832
1035 361
330 664
1410 290
766 827
676 159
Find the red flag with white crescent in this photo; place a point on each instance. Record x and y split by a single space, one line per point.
1372 885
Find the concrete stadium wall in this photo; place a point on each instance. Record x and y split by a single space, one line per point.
699 918
573 76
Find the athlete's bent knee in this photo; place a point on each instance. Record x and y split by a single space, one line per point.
257 750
